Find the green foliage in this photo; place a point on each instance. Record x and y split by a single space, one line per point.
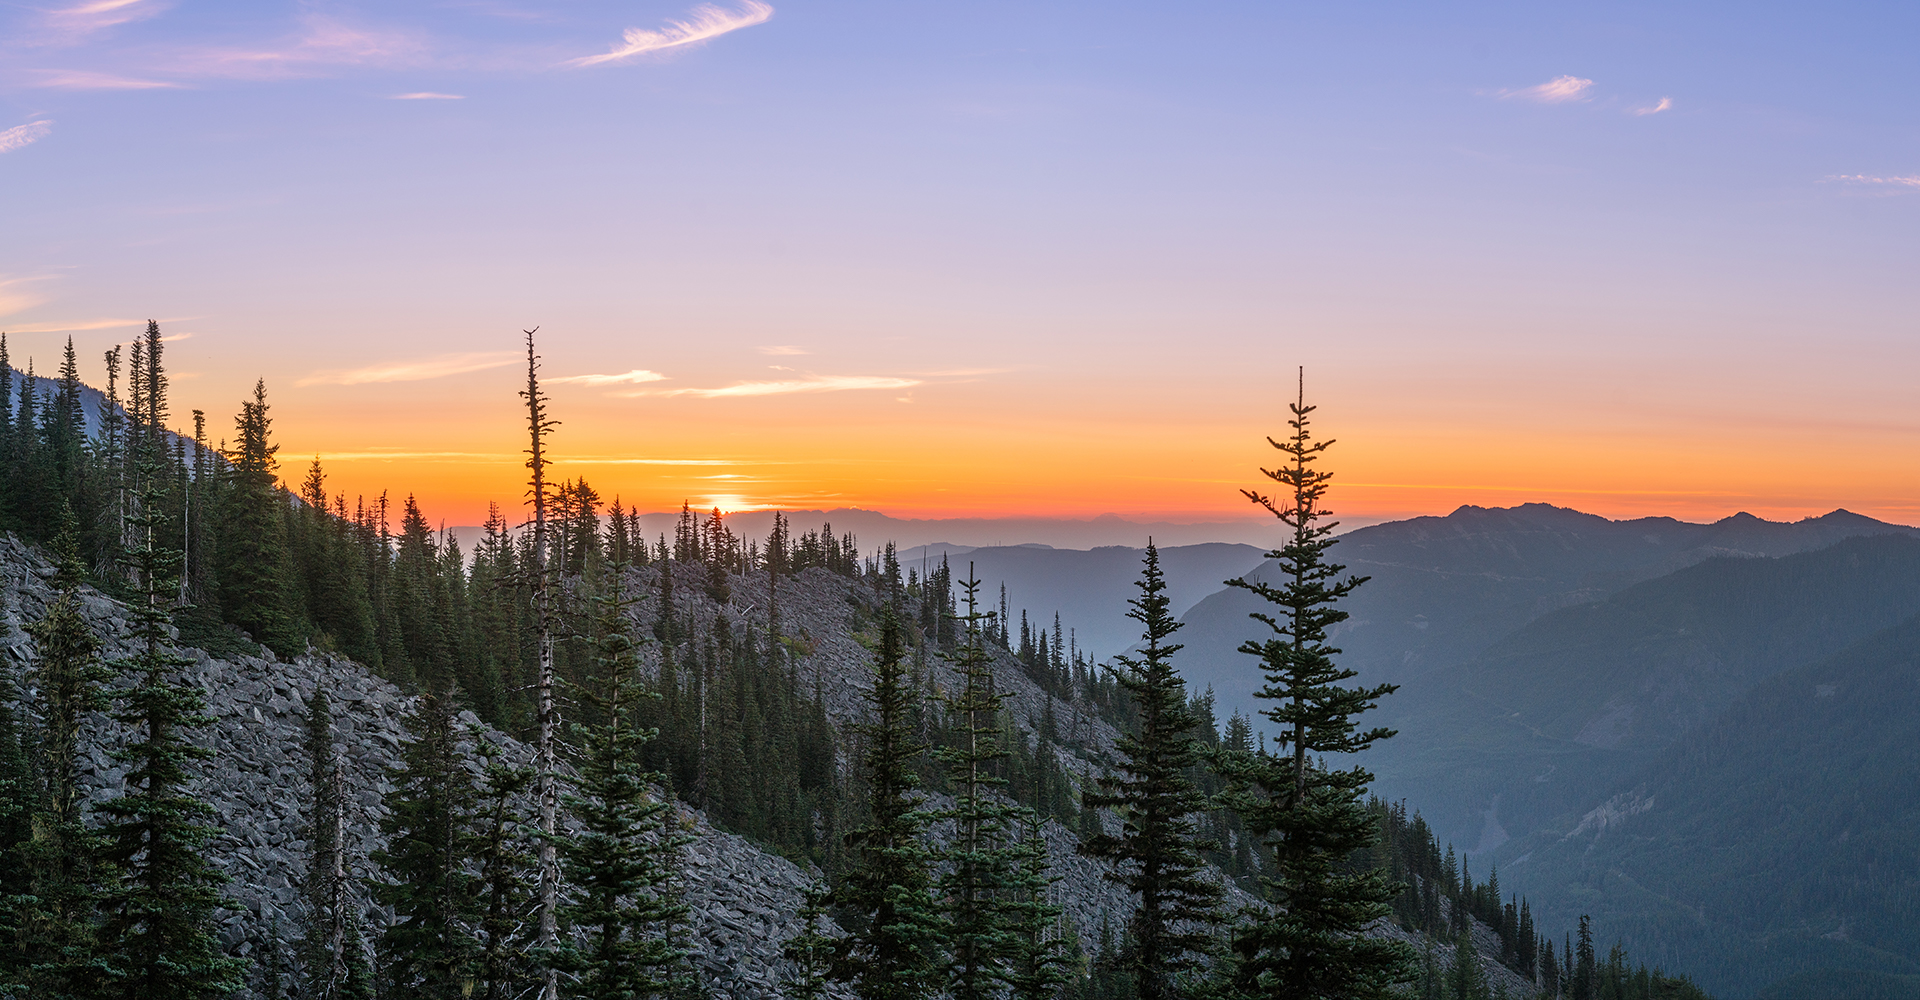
1311 941
895 937
157 940
979 857
1157 854
623 862
429 949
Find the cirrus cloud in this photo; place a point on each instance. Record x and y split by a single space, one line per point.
1898 181
635 376
416 370
705 22
1558 90
1654 109
781 387
24 135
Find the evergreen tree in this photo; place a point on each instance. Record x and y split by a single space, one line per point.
810 949
895 935
59 859
978 859
429 949
254 565
1156 856
502 845
157 940
333 954
1310 941
1466 981
1582 967
623 862
1037 954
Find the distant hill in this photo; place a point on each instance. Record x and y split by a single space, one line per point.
1090 587
1778 844
1445 589
1529 734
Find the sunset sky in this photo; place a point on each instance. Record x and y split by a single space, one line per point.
994 259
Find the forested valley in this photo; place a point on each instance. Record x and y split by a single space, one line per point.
583 703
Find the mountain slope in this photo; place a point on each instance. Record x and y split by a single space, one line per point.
1445 589
1776 843
1528 734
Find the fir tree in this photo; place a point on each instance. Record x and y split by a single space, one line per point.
503 848
429 949
1037 952
1310 941
254 561
811 948
333 953
623 862
157 940
546 719
895 935
59 860
978 858
1156 856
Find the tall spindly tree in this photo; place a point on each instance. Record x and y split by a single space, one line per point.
1310 941
1156 854
979 858
622 864
157 939
895 935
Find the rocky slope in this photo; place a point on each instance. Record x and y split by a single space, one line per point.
743 898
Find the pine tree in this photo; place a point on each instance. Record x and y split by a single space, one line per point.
59 861
623 863
333 953
502 846
1037 952
1310 941
1466 981
429 950
254 560
157 940
1156 856
895 936
978 858
811 948
546 719
1582 966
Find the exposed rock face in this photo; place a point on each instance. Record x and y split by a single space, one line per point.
743 899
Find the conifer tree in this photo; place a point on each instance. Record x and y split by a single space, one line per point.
895 935
504 850
1310 940
1037 950
60 859
546 760
157 940
333 954
254 566
429 949
1156 856
623 863
811 948
978 859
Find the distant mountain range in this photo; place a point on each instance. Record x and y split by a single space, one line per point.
1704 735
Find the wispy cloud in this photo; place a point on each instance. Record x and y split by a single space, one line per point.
80 79
92 15
1558 90
24 135
415 370
1654 109
427 95
633 377
71 326
810 383
703 23
783 349
1908 180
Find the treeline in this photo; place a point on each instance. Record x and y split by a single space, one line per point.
560 874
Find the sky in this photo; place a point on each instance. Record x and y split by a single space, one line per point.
990 259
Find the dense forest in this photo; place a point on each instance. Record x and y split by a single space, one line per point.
924 819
